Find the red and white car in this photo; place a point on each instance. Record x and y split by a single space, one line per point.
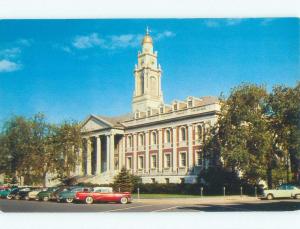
103 194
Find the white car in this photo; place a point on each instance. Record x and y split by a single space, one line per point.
283 191
32 195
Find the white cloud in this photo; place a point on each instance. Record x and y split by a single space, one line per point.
10 53
113 41
25 42
8 66
212 23
124 41
89 41
164 34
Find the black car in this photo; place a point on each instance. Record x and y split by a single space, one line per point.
13 193
19 193
23 194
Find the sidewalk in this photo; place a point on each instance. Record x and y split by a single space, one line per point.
200 200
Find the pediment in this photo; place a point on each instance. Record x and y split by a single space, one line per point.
93 123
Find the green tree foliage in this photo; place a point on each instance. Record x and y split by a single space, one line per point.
284 115
243 132
258 133
32 148
123 181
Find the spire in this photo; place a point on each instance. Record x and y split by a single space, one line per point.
147 38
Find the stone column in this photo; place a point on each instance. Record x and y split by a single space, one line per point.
122 154
79 163
147 152
98 155
190 145
107 153
112 153
135 146
174 143
160 159
88 157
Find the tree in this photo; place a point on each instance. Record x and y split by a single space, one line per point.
123 181
32 148
243 133
14 148
284 114
66 144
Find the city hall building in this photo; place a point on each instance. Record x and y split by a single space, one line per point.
158 142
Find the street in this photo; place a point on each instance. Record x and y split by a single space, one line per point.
153 206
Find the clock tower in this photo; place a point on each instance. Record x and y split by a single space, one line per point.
147 75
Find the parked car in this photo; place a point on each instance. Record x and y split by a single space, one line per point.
69 194
4 191
32 195
49 194
283 191
103 195
13 193
23 194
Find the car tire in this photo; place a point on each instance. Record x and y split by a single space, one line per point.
270 197
9 197
124 200
89 200
45 198
69 200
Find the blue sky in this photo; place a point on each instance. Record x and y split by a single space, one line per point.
69 69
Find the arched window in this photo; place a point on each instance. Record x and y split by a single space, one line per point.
183 134
142 84
141 139
199 133
168 136
154 138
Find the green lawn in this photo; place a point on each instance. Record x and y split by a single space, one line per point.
157 196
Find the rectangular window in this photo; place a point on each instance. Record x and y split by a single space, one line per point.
183 159
190 103
153 161
141 162
167 180
199 158
167 160
129 163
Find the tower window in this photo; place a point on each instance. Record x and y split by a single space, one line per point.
190 103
